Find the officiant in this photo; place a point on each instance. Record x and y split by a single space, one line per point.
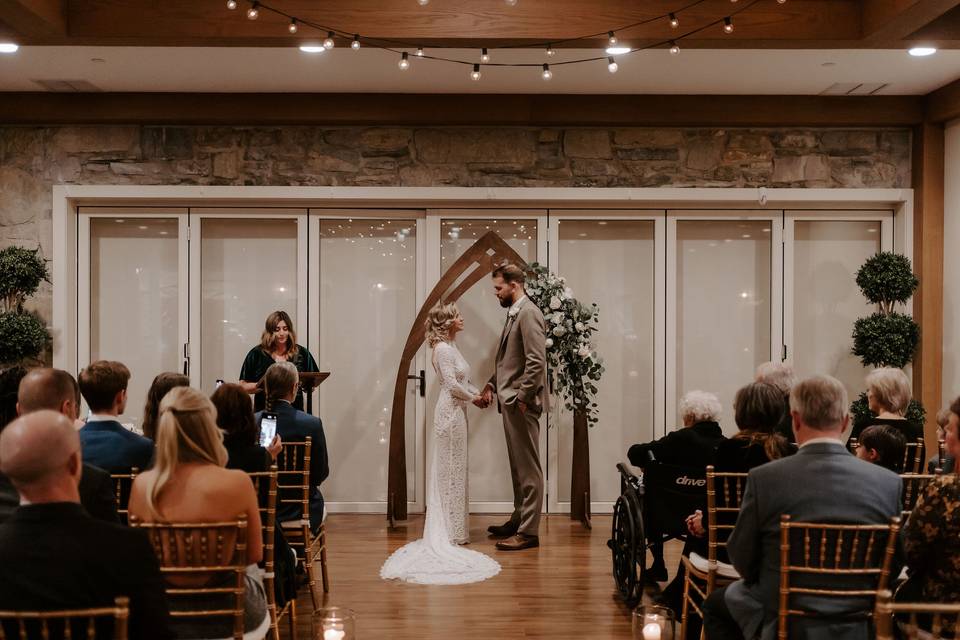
278 343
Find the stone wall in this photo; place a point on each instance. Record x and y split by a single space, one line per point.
33 159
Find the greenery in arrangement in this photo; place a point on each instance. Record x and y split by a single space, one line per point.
23 334
886 338
573 364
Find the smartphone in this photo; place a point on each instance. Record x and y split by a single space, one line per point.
268 429
219 382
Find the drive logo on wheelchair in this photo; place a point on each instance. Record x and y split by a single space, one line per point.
684 481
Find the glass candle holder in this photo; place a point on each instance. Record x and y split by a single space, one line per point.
651 622
334 623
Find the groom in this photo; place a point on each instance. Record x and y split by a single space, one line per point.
519 381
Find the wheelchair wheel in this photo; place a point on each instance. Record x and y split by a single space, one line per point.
628 550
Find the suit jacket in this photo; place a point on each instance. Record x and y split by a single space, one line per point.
96 495
520 372
823 482
55 556
113 448
294 425
691 446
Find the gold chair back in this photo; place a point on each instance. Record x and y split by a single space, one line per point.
918 620
265 485
912 455
71 624
122 483
941 453
202 563
837 560
913 486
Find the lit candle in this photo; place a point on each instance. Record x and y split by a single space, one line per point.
337 634
651 631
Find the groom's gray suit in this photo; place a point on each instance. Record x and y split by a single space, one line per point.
520 375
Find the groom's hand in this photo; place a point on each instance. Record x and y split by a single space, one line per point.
522 406
478 401
486 396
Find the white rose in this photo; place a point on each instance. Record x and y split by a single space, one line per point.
568 293
549 342
584 351
578 326
559 331
557 318
555 303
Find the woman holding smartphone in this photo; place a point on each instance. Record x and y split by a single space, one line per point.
247 449
278 343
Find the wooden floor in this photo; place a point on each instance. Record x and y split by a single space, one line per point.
564 589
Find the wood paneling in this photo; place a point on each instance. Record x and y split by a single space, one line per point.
35 19
943 104
456 110
892 20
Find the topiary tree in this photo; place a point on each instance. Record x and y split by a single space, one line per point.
886 338
23 334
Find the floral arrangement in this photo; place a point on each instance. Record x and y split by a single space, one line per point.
572 362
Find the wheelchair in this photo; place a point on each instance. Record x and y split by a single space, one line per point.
651 509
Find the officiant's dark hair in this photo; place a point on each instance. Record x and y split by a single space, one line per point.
509 273
268 342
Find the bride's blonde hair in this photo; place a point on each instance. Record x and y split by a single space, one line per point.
439 322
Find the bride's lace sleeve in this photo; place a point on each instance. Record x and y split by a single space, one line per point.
445 360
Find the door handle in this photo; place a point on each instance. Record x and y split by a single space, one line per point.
423 382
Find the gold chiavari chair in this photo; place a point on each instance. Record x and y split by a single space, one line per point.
923 620
293 482
122 483
207 553
941 453
70 624
265 484
703 575
913 486
912 455
833 561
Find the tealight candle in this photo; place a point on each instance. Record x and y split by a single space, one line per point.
651 631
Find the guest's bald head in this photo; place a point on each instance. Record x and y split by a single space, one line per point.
40 453
52 389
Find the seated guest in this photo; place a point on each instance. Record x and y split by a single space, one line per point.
53 555
757 409
106 443
9 383
821 483
241 435
883 445
159 388
888 396
281 383
690 446
188 483
931 535
780 375
56 390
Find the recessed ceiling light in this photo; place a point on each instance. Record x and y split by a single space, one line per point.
618 51
919 52
312 48
8 47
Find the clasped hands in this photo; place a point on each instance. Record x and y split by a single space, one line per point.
486 398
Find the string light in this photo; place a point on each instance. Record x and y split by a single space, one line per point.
674 49
484 56
404 63
231 4
612 65
355 45
475 74
328 41
511 3
550 51
728 25
293 26
253 12
674 22
419 52
423 3
547 74
611 38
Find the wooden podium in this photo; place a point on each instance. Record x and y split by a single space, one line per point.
310 380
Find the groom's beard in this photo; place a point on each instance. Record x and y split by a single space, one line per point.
506 303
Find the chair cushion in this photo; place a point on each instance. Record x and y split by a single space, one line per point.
723 569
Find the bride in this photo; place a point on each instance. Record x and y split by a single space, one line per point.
437 558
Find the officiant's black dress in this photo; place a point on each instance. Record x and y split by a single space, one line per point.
258 361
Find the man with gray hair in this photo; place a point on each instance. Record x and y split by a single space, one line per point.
53 555
781 376
823 482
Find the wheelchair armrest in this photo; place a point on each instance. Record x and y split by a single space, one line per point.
629 472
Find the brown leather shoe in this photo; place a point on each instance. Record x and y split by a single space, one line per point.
519 542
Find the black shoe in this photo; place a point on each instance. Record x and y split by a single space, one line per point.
655 573
504 530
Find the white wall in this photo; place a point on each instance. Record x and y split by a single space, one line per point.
951 263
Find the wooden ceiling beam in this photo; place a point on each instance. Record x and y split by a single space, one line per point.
943 104
891 21
34 19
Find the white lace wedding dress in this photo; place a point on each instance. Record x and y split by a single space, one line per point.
437 558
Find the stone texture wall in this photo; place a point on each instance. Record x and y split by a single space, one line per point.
33 159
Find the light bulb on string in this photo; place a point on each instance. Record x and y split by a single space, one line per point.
423 3
404 63
674 48
484 56
674 21
231 4
419 52
253 12
355 45
550 51
612 65
611 38
475 74
292 27
547 74
728 25
511 3
328 42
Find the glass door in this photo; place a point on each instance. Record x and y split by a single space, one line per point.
452 232
132 294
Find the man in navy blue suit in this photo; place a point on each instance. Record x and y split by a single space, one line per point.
281 383
106 443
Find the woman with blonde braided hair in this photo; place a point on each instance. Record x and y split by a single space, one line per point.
188 483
